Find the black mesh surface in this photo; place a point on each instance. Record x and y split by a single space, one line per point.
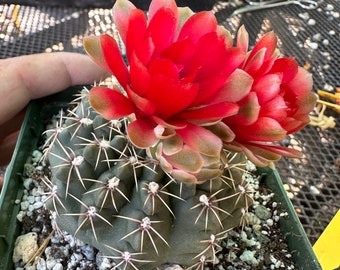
312 36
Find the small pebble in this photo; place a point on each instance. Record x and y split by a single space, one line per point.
58 266
36 156
248 256
317 37
325 42
27 183
21 215
313 45
335 15
314 190
38 205
41 265
311 22
304 16
24 205
25 246
270 222
283 214
329 7
328 87
31 199
252 219
39 168
88 252
262 212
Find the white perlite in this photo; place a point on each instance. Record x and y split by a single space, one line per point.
25 246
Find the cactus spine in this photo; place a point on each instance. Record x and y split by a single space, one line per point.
119 199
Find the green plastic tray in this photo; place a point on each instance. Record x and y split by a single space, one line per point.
38 112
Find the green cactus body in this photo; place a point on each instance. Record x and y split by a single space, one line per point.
115 197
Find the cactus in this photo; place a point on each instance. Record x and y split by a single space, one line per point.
142 169
116 197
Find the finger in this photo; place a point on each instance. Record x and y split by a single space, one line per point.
33 76
7 146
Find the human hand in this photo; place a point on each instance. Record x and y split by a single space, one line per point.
34 76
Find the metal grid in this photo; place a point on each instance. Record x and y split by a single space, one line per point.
312 182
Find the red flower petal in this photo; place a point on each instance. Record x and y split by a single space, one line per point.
210 64
114 59
179 52
170 96
172 145
155 5
301 84
287 66
166 67
263 154
267 42
143 104
210 113
110 103
235 88
164 18
169 123
139 76
265 129
258 155
141 133
213 85
280 150
201 140
242 39
183 176
186 160
136 31
198 25
305 104
145 50
276 109
121 12
248 112
94 49
254 63
291 124
222 131
267 87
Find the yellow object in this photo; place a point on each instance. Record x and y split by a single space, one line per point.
321 120
327 247
336 97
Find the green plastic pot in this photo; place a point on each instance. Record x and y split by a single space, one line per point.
39 111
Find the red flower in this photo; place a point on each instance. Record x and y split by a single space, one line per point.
170 76
188 91
278 102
